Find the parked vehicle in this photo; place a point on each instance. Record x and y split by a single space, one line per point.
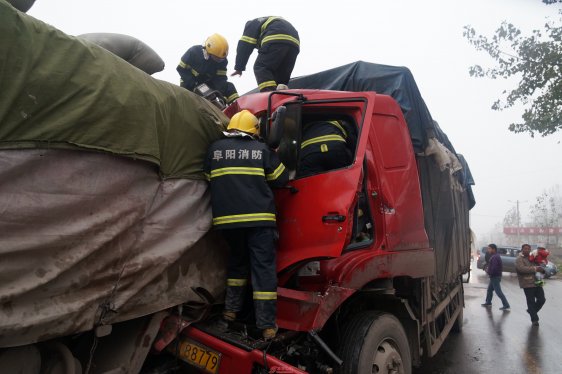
508 256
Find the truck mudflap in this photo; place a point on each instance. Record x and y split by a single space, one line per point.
213 355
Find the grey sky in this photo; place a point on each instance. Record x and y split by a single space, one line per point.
425 36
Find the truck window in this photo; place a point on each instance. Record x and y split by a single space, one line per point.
328 143
289 146
392 152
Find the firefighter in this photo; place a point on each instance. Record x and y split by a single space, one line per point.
241 171
207 64
278 45
325 145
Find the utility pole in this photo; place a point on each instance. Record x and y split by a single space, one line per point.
518 219
518 223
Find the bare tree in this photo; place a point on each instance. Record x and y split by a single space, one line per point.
511 218
547 212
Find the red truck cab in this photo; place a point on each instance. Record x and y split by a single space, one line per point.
318 214
352 240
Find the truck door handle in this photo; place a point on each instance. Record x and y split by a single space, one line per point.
333 218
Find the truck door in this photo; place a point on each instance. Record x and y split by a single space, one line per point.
316 212
399 195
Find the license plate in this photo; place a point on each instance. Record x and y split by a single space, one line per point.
199 356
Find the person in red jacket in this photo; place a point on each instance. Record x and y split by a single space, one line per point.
494 271
540 258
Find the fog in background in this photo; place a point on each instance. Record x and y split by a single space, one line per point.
425 36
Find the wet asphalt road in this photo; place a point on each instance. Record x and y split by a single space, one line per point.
493 341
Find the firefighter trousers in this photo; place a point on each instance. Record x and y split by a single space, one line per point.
252 253
274 65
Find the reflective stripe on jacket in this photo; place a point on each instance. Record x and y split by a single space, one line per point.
241 172
261 31
317 136
194 70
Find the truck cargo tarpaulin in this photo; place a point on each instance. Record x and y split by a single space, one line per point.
104 212
62 91
395 81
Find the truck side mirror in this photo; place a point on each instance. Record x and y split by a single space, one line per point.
276 129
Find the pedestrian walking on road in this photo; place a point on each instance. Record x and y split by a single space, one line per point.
494 271
526 276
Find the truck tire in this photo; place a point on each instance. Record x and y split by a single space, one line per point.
374 342
457 325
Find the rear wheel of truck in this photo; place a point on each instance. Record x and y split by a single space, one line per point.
457 325
375 342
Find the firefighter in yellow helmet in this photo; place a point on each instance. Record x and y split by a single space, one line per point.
207 64
241 171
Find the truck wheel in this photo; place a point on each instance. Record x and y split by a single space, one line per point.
457 325
375 342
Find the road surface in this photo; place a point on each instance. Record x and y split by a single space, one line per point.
493 341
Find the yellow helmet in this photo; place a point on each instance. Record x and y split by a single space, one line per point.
216 45
244 121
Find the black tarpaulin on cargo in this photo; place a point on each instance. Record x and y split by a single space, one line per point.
395 81
467 181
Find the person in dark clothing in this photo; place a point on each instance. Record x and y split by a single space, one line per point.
487 256
494 271
326 145
241 171
278 46
207 64
526 276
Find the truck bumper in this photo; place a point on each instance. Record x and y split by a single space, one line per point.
236 358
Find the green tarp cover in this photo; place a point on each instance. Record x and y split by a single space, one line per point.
58 91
